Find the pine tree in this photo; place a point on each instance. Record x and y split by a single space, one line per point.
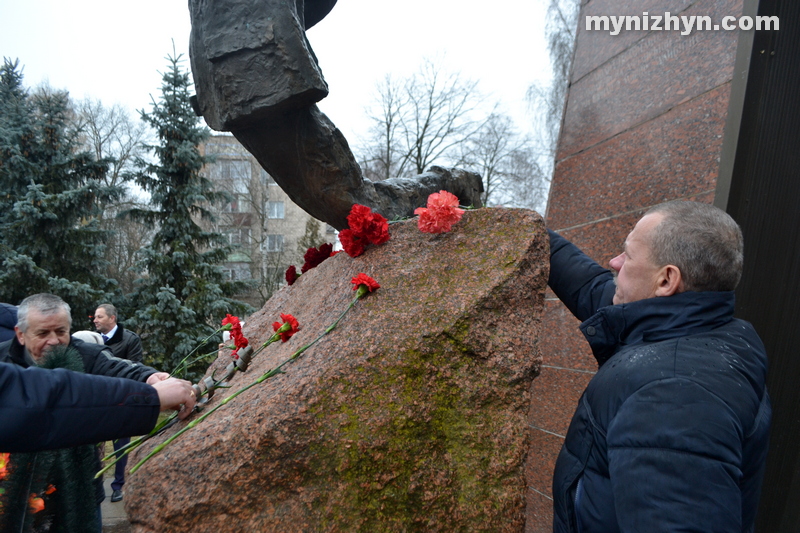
50 196
311 238
182 296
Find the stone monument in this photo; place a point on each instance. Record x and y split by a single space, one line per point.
257 77
410 415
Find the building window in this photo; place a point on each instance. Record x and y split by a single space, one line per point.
239 204
236 236
233 177
235 170
267 179
275 209
274 243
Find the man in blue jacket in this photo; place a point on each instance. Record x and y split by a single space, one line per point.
671 434
8 319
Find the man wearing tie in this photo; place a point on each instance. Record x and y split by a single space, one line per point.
124 344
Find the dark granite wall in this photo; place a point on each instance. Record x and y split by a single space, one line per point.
644 123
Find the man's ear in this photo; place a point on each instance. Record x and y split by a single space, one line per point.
20 338
670 281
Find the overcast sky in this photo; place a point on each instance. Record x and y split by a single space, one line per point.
113 51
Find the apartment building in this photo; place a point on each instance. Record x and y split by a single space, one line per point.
268 232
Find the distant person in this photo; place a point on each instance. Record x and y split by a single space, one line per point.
671 433
8 319
124 344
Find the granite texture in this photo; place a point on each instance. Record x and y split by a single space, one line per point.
663 70
540 513
559 386
411 415
564 344
675 155
597 47
541 461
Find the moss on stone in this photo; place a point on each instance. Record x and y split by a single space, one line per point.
401 464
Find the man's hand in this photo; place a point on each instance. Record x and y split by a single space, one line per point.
176 394
152 379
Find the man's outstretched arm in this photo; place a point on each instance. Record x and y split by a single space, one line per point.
49 409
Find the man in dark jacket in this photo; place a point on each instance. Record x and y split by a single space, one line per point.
49 409
125 345
671 434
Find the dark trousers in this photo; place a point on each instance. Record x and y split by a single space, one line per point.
119 468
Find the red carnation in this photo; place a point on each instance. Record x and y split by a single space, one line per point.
352 243
35 504
314 256
232 320
364 227
440 215
238 338
359 219
289 327
368 282
291 275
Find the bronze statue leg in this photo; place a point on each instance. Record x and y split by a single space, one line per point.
256 76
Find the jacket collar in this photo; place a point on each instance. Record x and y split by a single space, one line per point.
656 319
117 336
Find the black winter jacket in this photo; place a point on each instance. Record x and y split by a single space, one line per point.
125 345
47 409
671 434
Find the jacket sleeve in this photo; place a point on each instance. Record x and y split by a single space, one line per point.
49 409
674 456
578 281
134 348
100 361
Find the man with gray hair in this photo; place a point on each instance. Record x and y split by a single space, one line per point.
125 344
671 433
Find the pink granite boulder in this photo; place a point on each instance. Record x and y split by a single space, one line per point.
411 415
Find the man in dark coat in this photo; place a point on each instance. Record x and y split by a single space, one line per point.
125 345
671 434
49 409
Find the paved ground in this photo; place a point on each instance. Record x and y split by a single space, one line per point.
114 518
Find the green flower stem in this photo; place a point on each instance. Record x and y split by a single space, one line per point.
362 290
198 359
336 322
181 365
186 428
135 443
